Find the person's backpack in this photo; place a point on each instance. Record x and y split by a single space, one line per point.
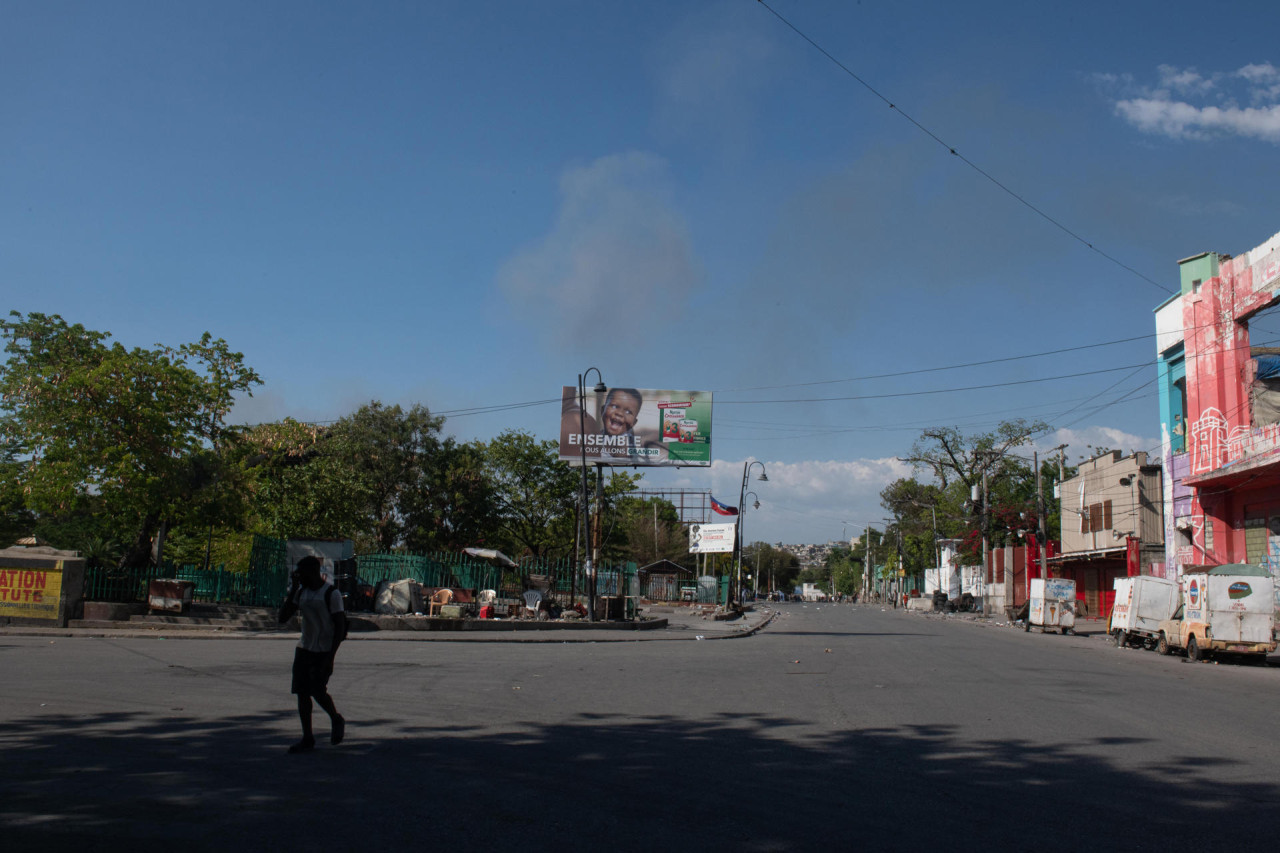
338 635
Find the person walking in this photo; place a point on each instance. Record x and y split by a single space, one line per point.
324 627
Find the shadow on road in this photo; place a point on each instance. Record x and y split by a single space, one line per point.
148 782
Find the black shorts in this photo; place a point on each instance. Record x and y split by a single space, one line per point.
311 671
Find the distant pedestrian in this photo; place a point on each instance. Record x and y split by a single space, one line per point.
324 627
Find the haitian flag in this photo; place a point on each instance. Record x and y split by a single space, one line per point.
721 508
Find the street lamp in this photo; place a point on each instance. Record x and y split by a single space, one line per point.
742 499
741 520
584 529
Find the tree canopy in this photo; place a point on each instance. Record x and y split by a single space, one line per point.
945 503
136 430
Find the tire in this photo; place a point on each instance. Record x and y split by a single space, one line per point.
1068 631
1162 645
1193 650
1122 638
1026 626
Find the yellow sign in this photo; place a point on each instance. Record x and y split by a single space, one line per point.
30 593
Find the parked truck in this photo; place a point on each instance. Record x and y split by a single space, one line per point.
1225 609
1141 604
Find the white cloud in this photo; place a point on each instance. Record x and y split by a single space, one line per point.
1079 441
1184 81
1184 121
618 259
1185 104
1265 80
810 501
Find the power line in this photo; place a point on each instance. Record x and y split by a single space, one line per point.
934 391
942 368
955 153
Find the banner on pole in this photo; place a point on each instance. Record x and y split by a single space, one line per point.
628 427
711 538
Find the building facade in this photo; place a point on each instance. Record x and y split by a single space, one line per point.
1112 526
1220 412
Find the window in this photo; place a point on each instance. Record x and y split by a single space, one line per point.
1097 519
1255 539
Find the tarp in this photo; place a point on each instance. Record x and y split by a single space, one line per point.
395 597
1249 570
1268 366
490 555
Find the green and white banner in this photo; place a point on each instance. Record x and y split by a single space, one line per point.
627 427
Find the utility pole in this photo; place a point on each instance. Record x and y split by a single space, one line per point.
866 570
986 544
596 543
902 563
1044 544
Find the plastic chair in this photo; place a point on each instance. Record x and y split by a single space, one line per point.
439 599
532 602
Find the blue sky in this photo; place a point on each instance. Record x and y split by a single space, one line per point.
468 204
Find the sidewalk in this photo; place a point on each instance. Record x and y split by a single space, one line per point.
669 623
1084 626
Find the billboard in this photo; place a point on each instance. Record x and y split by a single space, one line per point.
711 538
627 427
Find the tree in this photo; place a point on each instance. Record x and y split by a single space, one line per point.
645 531
457 503
535 495
845 570
951 455
128 427
16 520
781 568
958 463
389 452
295 485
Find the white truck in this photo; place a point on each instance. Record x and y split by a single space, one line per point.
1225 609
1052 605
1141 604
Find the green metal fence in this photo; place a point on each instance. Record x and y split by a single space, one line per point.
266 580
217 585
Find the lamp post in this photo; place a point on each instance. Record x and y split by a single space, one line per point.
742 514
742 498
584 529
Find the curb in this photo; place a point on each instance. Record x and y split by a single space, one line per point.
747 633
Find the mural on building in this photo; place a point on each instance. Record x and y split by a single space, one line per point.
1209 441
1209 374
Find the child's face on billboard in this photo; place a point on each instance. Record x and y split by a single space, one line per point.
620 412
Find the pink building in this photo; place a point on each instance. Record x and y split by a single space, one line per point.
1220 411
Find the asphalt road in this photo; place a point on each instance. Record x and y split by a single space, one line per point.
835 726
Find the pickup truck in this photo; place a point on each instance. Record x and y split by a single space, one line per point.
1225 609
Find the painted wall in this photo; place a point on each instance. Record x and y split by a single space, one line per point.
1219 294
